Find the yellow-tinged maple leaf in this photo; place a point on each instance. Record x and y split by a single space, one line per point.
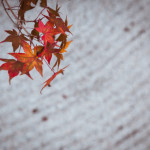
59 58
59 55
66 23
66 46
29 59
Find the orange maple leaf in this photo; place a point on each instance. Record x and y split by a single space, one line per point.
47 82
29 59
65 47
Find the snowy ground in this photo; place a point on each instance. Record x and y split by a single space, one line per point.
103 100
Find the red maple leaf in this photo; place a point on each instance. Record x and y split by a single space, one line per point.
50 49
48 31
13 67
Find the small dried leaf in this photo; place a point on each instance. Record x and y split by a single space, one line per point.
65 47
43 3
62 38
52 78
59 58
25 5
54 12
15 39
34 32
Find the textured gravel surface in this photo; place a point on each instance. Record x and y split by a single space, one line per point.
103 100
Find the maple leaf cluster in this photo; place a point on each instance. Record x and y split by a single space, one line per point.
52 39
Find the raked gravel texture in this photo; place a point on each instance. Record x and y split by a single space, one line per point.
103 100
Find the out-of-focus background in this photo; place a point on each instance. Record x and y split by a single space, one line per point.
103 100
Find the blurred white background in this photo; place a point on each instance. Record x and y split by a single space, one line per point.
102 102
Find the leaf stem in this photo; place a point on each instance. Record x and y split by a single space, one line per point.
49 66
40 13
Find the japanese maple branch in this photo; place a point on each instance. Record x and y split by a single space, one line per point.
18 23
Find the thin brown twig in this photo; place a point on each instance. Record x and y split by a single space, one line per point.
18 22
14 6
8 13
40 13
49 66
27 20
13 9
